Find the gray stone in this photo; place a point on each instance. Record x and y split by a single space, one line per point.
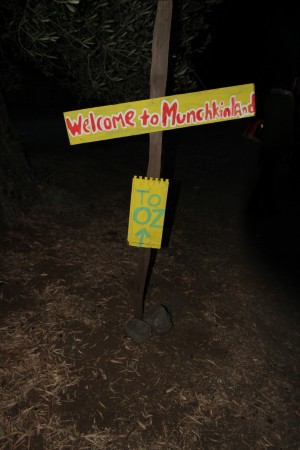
160 319
138 330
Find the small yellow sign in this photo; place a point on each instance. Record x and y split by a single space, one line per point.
160 114
147 211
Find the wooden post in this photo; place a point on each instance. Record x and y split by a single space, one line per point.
158 81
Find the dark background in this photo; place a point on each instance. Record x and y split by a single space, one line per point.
251 42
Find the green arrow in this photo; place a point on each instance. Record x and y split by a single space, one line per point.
142 233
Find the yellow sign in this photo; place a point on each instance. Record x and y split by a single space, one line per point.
160 114
147 211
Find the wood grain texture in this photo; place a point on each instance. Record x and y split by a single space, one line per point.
158 81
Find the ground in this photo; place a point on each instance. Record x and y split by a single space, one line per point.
225 377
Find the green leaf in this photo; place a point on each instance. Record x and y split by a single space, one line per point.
71 8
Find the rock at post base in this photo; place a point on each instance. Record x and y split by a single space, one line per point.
160 319
138 330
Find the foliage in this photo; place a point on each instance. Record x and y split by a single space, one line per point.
17 187
10 55
101 49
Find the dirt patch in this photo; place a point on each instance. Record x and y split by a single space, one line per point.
225 377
